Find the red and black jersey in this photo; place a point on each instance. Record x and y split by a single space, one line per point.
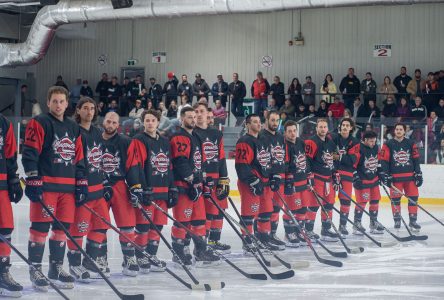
276 145
93 150
53 149
297 163
215 165
343 146
187 157
154 157
320 156
400 159
8 152
120 160
252 159
365 162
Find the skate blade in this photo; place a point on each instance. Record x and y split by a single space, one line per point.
414 230
207 264
88 280
179 266
376 232
292 245
10 294
62 285
42 289
329 239
358 233
144 270
157 269
94 275
129 273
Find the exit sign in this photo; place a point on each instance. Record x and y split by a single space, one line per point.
132 62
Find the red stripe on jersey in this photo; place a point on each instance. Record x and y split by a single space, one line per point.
35 135
162 189
132 159
141 150
180 146
311 148
221 149
384 154
59 180
10 145
3 176
95 188
79 149
400 175
244 154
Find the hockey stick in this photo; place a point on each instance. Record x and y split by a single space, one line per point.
398 238
294 265
422 208
319 199
195 286
341 254
286 209
248 275
414 237
216 286
5 240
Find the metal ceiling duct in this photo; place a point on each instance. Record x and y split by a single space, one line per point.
50 17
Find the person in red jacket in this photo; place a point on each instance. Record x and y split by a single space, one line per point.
337 108
259 91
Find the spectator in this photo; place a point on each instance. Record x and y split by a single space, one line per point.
431 92
143 96
401 81
113 107
136 128
440 153
155 93
114 90
277 91
312 110
200 87
259 91
295 92
337 108
368 88
347 113
172 110
403 110
60 82
219 90
322 110
162 108
74 96
86 90
419 111
210 117
126 97
358 110
309 90
170 88
237 91
389 110
441 83
284 119
26 104
328 89
350 88
219 113
416 86
433 126
183 103
373 110
136 88
440 109
301 111
331 120
272 106
288 108
202 99
102 88
185 88
101 108
149 104
136 112
387 88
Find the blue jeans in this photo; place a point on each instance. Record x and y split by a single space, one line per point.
259 105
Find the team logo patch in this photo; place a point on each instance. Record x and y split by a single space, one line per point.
64 149
210 149
94 156
187 212
160 163
83 226
149 213
45 213
366 196
401 157
197 157
395 193
327 158
263 157
371 164
298 202
254 207
301 162
278 153
110 162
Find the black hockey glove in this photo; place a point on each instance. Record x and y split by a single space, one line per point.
136 195
34 188
418 179
385 179
15 189
223 188
107 190
173 197
289 185
81 192
310 180
275 182
195 189
256 186
208 187
148 196
357 182
337 185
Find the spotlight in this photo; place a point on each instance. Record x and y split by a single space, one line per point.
122 3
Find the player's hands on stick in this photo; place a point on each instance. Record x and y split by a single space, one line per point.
195 188
310 180
136 195
173 197
223 188
418 179
34 188
15 189
337 185
107 190
256 186
289 185
208 187
148 196
275 181
386 179
81 192
357 182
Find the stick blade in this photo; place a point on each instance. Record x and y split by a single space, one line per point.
257 276
283 275
357 250
133 297
215 285
420 237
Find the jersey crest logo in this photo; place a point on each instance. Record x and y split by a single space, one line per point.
254 207
197 158
371 164
187 212
83 226
402 157
45 213
327 158
160 163
278 154
263 157
64 149
149 213
301 162
366 196
210 149
94 156
110 162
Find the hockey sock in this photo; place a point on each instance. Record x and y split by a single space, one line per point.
94 249
358 214
289 226
57 245
309 225
127 247
345 210
153 240
413 206
198 227
37 238
274 219
5 250
396 206
152 247
248 221
328 209
263 223
374 207
74 257
311 216
300 214
141 237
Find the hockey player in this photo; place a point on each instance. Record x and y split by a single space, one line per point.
54 165
400 166
296 190
157 183
120 164
253 166
319 150
10 191
217 182
188 162
366 182
344 142
84 222
276 145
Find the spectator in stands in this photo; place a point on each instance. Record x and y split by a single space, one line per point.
403 110
295 92
86 90
416 86
277 91
401 81
114 90
201 100
136 88
337 108
135 113
210 117
288 108
237 92
170 88
183 103
172 110
155 93
125 101
347 113
440 153
162 108
185 88
441 83
388 89
74 95
60 82
433 126
102 88
143 96
419 111
311 110
219 90
309 91
284 119
259 91
272 106
219 113
440 109
373 110
149 104
301 112
431 92
350 88
368 88
322 110
101 108
200 87
358 110
331 120
328 89
389 110
113 107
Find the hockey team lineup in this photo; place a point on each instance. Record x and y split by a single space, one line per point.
84 182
